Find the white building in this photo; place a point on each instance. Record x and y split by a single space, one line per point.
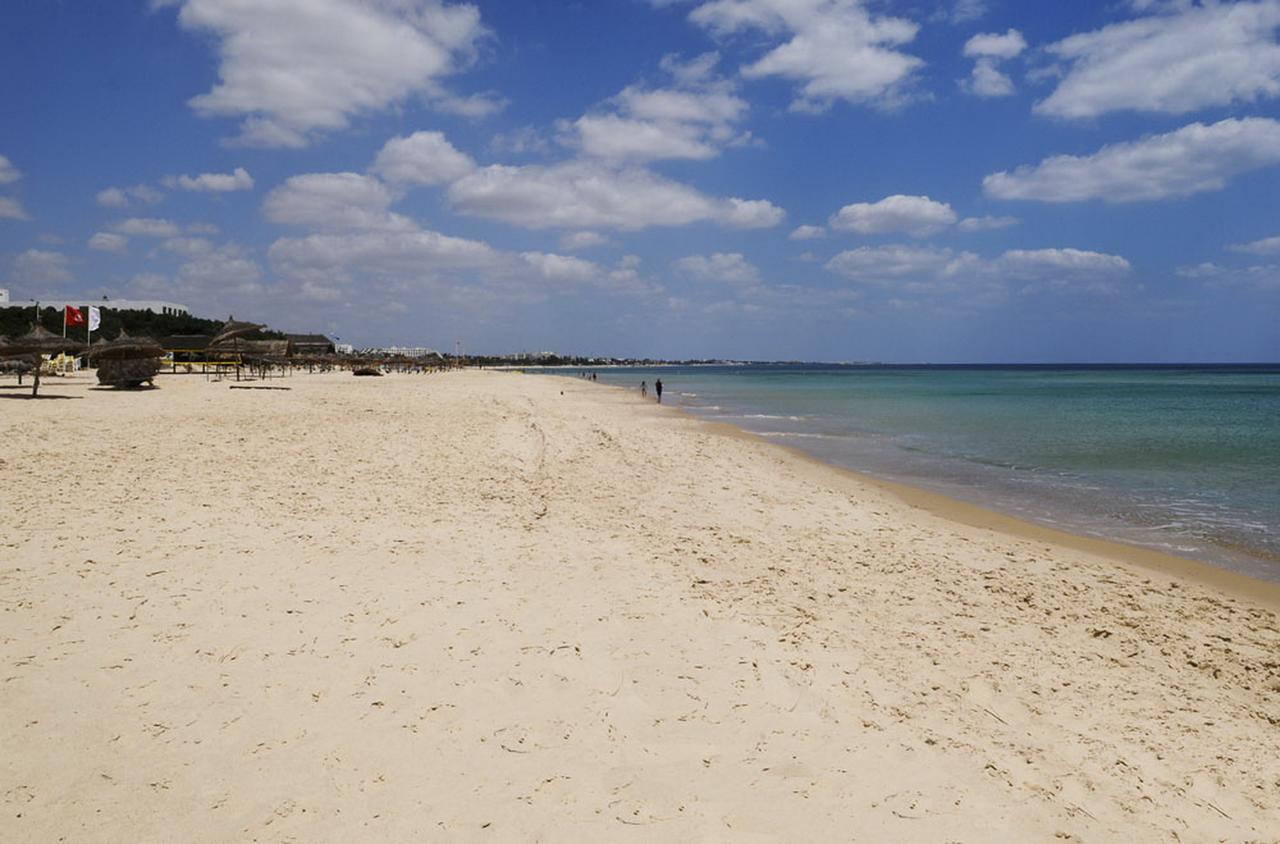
155 306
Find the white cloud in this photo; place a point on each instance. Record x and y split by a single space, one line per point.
219 268
107 242
147 227
40 266
334 201
423 158
1061 265
991 48
575 241
918 216
124 197
11 209
239 179
928 269
882 264
8 173
691 120
995 45
1193 159
832 49
986 80
293 69
1263 278
1266 246
581 194
729 267
1197 57
807 232
341 257
965 11
551 267
982 224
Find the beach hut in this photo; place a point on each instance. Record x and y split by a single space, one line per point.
40 341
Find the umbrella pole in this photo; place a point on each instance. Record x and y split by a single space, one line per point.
35 384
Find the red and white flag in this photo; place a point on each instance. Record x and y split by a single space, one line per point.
72 317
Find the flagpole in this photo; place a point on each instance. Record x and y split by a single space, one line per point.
64 336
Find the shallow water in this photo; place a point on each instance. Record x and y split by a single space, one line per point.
1180 458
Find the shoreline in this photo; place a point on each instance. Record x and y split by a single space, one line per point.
976 515
1254 564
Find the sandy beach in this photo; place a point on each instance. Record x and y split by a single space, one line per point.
493 606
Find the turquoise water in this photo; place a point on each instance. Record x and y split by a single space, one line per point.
1185 459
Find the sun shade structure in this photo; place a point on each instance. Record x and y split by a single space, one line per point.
233 329
127 361
40 341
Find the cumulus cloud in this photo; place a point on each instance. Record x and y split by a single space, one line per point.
107 242
342 257
583 194
124 197
917 216
693 118
423 158
996 46
238 179
989 49
1266 246
8 173
730 267
923 268
147 227
11 209
982 224
334 201
575 241
291 70
807 232
1188 58
1264 278
552 267
40 266
881 264
1190 160
831 49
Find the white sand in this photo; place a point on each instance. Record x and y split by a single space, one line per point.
470 607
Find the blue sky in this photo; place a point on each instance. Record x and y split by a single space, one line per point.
925 180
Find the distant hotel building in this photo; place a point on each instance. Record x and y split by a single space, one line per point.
156 307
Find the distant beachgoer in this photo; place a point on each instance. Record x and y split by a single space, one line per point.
657 388
644 389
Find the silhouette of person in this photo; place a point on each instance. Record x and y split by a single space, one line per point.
644 389
657 388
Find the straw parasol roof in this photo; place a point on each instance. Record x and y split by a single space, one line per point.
125 347
41 341
233 329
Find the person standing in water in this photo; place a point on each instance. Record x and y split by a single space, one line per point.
644 389
657 388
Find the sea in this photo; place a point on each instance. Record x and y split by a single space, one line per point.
1179 458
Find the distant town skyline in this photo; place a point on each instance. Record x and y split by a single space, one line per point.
921 180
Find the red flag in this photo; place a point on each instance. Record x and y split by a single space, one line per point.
73 317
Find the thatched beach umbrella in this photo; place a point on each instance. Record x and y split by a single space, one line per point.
40 341
231 332
127 361
125 347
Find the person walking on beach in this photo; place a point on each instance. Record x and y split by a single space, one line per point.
644 389
657 388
